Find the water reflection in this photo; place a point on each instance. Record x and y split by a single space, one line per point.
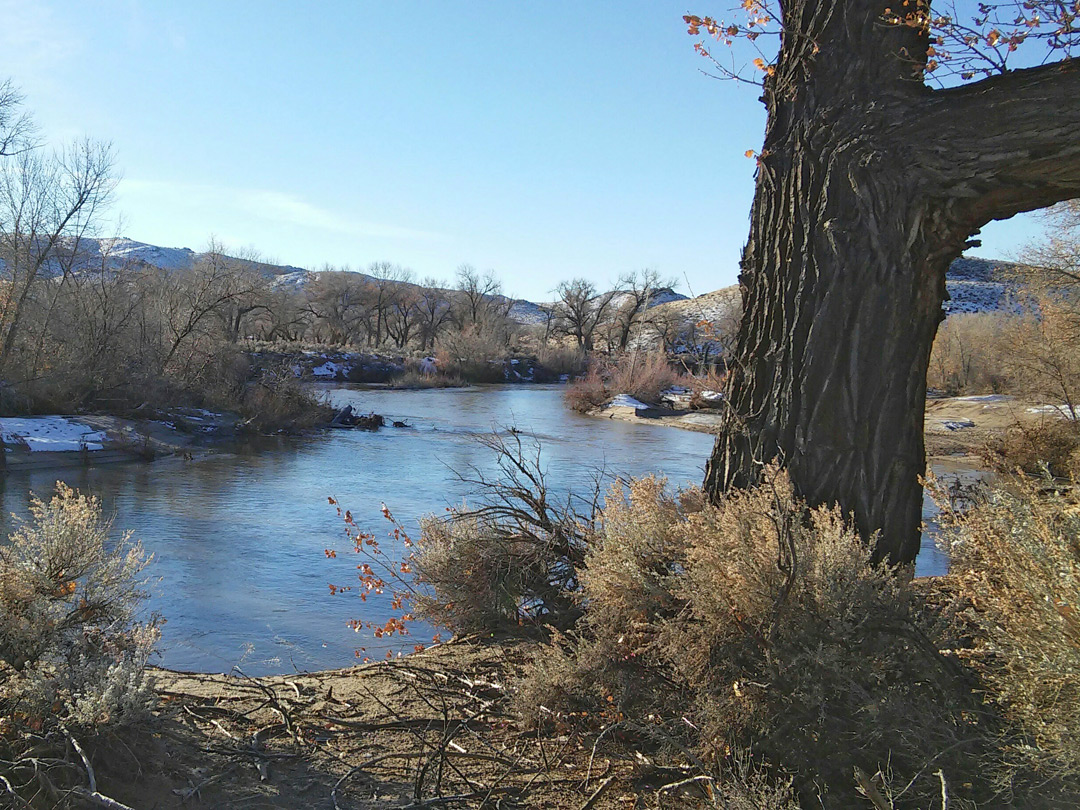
239 534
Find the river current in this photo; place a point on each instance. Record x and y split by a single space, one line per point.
239 534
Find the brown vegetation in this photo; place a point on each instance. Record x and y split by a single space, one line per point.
641 375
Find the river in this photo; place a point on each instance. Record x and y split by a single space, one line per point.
239 533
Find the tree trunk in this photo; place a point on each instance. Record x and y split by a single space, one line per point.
869 185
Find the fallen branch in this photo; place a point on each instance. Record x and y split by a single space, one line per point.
596 794
100 799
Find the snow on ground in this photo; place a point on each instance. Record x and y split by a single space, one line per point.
1053 410
627 401
330 370
984 398
52 433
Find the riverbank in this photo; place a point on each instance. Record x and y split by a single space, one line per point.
956 427
438 727
405 733
60 441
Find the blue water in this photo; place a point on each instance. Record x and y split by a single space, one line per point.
239 534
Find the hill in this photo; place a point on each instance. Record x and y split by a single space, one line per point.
973 284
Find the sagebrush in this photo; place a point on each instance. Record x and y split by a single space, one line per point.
69 633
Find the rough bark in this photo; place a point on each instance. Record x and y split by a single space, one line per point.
869 185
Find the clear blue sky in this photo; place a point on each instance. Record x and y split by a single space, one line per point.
543 140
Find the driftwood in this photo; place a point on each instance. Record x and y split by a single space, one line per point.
348 418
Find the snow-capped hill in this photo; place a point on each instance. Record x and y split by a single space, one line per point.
121 253
121 250
528 313
294 281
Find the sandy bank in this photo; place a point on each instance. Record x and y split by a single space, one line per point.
406 733
955 426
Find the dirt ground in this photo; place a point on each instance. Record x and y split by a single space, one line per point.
429 730
957 428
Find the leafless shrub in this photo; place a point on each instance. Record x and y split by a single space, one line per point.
476 357
557 360
511 559
277 401
588 393
1048 444
644 376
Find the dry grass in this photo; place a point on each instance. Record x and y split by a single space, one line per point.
415 380
1045 445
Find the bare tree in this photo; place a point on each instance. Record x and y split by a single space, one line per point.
582 310
16 125
435 311
476 293
339 303
383 286
47 202
637 291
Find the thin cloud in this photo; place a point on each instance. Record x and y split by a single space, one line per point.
279 207
35 36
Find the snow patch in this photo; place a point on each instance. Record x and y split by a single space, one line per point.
330 370
627 401
50 433
1052 410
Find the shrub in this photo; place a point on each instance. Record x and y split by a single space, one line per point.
476 358
512 559
759 624
1047 444
559 360
1016 555
278 401
644 376
589 393
68 602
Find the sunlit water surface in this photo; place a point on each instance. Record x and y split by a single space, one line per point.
239 534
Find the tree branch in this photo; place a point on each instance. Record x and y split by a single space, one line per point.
1003 145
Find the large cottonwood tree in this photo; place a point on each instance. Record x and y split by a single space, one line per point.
870 182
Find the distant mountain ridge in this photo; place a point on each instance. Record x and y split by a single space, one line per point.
974 284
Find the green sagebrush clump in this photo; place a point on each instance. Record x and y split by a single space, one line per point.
73 651
758 624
